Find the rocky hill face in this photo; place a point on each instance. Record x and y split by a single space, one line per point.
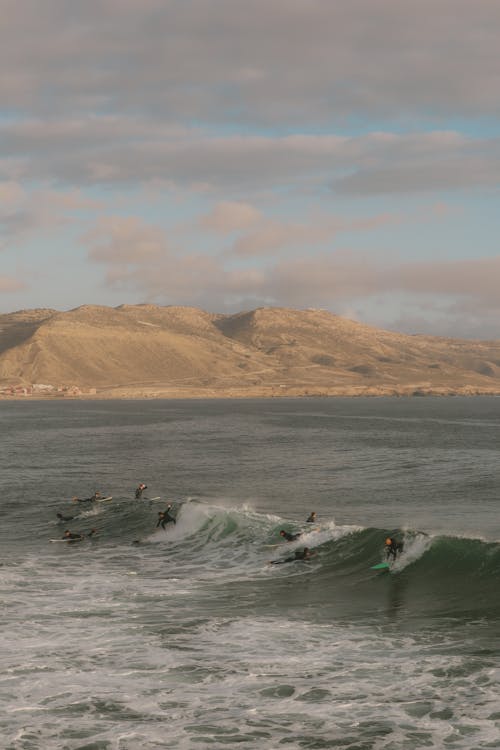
148 350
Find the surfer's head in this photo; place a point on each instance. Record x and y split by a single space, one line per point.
388 541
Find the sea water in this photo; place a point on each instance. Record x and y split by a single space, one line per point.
144 638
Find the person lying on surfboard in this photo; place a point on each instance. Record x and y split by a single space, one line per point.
71 537
300 554
312 517
96 496
393 547
61 518
289 537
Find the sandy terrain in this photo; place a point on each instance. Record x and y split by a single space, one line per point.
148 351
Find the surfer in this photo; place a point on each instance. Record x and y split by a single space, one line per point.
312 517
289 537
300 554
140 489
96 496
71 537
61 518
393 547
164 517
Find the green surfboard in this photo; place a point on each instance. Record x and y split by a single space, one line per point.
381 566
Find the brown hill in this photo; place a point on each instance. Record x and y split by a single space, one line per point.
148 350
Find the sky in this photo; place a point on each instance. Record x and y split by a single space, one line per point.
232 154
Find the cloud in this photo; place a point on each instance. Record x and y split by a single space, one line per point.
230 216
10 285
123 241
266 61
139 256
127 152
24 212
272 236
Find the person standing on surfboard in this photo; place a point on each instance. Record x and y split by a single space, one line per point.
393 547
164 517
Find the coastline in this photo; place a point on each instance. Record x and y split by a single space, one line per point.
175 393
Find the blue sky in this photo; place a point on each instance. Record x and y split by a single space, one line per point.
228 154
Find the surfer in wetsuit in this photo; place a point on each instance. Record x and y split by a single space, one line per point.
164 517
71 537
61 518
300 554
96 496
140 489
393 547
312 517
289 537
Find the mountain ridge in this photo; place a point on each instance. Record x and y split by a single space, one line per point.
160 351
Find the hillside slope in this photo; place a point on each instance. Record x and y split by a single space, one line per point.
153 350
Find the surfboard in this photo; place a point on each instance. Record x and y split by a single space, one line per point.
103 499
381 566
66 541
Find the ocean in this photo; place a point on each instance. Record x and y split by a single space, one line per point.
140 638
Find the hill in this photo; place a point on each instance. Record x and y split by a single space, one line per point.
153 351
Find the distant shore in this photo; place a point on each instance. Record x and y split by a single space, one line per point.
146 393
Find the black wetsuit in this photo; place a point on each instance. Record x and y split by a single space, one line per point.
95 496
164 519
139 491
73 537
289 537
393 549
61 518
312 518
300 554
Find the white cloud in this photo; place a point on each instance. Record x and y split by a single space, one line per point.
125 240
9 285
124 153
230 216
267 61
25 213
138 256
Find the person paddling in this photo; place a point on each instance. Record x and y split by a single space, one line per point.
300 554
289 537
61 518
72 537
96 496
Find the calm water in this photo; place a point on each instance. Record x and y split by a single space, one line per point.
189 638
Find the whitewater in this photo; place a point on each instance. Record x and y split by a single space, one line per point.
144 638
